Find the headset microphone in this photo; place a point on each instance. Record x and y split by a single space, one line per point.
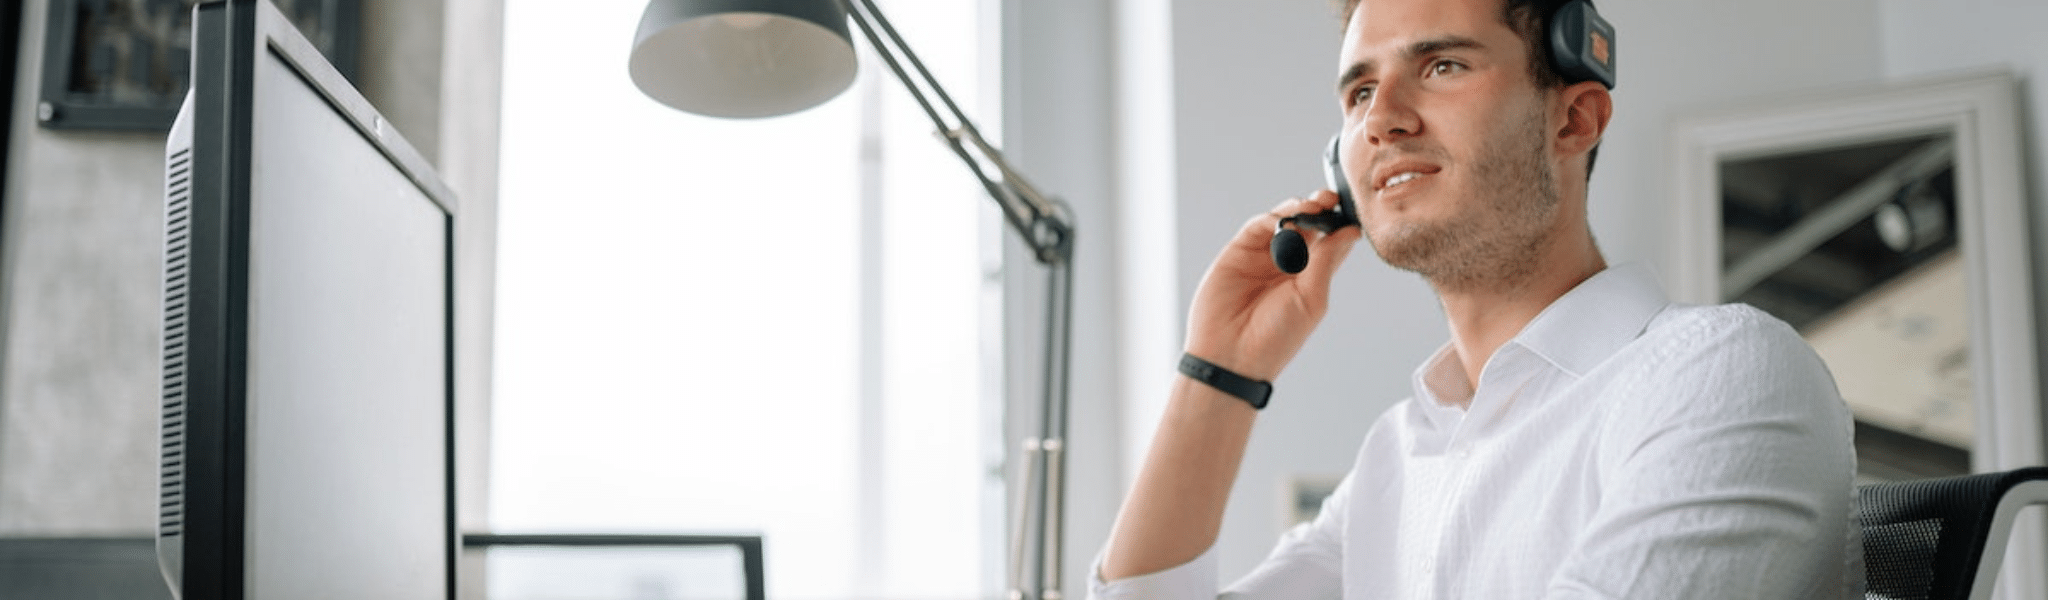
1290 251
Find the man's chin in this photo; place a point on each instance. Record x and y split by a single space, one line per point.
1410 247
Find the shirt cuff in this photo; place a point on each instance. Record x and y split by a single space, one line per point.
1195 579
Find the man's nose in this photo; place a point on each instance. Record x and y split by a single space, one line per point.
1391 116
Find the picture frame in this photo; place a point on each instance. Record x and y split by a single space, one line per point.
125 64
1959 310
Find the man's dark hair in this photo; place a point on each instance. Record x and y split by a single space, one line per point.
1528 19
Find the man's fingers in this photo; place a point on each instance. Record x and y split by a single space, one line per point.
1323 200
1255 238
1328 252
1318 202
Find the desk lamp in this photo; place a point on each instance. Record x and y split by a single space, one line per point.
764 58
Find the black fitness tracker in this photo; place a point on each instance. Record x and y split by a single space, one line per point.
1253 391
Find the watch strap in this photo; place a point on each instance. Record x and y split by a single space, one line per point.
1252 391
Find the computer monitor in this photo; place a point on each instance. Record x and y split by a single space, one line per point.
308 347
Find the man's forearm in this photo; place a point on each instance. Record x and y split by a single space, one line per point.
1175 508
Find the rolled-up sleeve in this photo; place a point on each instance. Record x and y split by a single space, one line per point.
1193 579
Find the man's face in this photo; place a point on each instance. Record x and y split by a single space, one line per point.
1446 140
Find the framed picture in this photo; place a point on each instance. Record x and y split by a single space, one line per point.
124 64
1889 226
1305 494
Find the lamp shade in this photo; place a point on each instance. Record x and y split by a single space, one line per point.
742 58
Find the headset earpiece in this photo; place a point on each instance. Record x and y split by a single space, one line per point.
1582 44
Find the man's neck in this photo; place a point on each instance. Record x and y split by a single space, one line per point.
1483 317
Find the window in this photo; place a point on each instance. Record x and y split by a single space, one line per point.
718 326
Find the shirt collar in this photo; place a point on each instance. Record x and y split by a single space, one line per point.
1576 333
1587 325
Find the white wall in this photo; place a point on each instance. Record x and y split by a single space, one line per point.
1056 94
1247 108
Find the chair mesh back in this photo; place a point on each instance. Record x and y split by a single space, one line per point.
1922 539
1898 559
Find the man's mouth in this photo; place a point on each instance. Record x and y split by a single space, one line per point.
1400 172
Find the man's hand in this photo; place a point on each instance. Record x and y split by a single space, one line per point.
1250 317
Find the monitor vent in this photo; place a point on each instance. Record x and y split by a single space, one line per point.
177 259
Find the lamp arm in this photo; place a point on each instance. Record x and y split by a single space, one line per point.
1045 224
1042 221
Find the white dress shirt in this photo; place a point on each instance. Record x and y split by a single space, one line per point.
1619 447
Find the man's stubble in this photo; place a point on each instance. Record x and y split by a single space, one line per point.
1500 243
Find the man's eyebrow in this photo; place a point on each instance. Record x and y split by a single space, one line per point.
1420 48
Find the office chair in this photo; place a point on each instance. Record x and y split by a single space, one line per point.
1942 539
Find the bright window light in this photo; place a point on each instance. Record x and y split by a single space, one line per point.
682 338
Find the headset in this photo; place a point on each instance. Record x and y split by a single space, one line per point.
1581 47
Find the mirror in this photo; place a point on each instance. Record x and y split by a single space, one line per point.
1855 246
1889 226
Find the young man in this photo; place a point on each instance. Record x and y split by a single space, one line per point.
1578 437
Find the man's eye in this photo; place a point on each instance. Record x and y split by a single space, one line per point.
1444 67
1361 95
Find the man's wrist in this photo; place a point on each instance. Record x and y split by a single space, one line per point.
1252 391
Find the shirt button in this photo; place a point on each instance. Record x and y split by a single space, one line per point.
1462 453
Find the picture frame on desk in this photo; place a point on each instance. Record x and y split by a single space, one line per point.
125 64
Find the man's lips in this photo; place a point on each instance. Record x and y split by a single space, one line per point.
1401 173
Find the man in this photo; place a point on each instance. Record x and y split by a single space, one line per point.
1578 437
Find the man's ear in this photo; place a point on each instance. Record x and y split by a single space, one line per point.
1587 106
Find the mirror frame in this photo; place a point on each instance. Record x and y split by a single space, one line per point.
1979 111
